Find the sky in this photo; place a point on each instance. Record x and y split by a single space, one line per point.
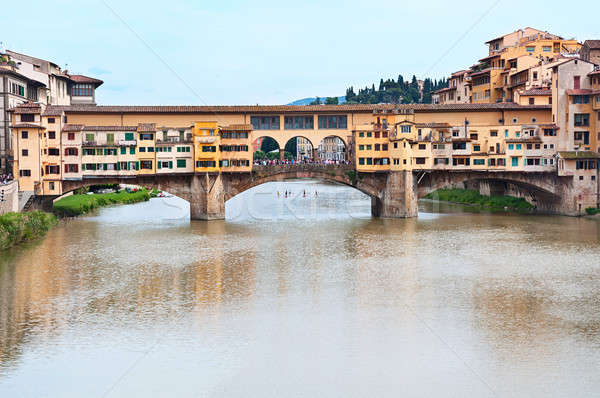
269 52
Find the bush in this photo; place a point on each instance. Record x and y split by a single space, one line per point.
19 227
76 205
470 196
592 211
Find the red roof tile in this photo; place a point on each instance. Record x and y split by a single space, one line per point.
537 91
594 44
583 91
72 128
27 126
85 79
27 107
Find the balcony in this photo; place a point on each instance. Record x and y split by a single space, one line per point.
175 140
127 142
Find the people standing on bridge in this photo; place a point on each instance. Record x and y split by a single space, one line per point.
304 194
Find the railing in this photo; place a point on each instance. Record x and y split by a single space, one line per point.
175 140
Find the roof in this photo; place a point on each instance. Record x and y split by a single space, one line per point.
85 79
593 44
582 91
441 90
73 128
459 73
250 109
579 155
489 57
143 127
10 71
238 127
52 111
433 125
27 126
481 72
27 107
594 73
537 91
549 126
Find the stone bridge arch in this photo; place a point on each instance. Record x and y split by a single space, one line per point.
543 189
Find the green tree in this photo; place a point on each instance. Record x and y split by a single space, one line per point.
331 101
317 101
268 145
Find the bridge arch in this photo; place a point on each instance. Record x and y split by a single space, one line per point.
537 188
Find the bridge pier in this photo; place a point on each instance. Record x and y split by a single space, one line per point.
207 197
398 199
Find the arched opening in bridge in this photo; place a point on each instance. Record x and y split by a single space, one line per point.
266 148
332 149
301 149
298 199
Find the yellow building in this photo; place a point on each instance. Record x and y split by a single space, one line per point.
146 156
236 148
206 147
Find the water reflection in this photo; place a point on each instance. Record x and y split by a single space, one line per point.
450 304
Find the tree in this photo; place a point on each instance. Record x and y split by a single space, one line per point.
292 146
350 95
331 101
269 145
317 101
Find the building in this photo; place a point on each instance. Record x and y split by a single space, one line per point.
590 51
24 78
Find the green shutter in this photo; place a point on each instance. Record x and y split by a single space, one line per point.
159 165
105 166
123 150
132 150
83 167
170 149
129 136
137 165
118 166
170 164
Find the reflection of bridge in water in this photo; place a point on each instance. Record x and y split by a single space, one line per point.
393 193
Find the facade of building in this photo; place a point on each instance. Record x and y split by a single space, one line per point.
24 78
590 51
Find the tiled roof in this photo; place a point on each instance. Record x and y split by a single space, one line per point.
27 107
441 90
549 126
433 125
237 127
537 91
85 79
481 72
110 128
582 91
146 127
595 44
27 126
579 155
250 109
72 128
459 73
594 73
52 111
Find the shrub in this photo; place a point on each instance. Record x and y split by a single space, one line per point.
19 227
592 211
76 205
471 196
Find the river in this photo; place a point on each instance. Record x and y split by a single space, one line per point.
303 296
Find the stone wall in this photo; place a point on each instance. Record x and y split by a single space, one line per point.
9 197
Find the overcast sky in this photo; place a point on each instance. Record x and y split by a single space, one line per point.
269 52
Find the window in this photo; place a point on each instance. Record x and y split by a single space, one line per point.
459 145
361 147
420 161
52 170
493 133
128 136
405 129
89 137
479 162
384 147
25 173
477 148
110 138
146 136
581 99
82 90
52 135
546 49
369 161
582 119
17 89
333 122
515 161
71 151
132 150
181 163
150 149
123 150
519 146
206 163
24 135
505 133
28 117
141 149
299 123
531 101
146 164
51 120
530 49
209 148
422 146
549 132
264 123
361 134
395 145
533 161
361 161
71 168
24 152
377 147
53 152
71 136
511 146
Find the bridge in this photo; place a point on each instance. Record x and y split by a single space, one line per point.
393 194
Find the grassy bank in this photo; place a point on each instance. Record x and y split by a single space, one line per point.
592 211
16 228
472 197
76 205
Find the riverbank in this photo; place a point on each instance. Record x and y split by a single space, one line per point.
473 197
76 205
16 228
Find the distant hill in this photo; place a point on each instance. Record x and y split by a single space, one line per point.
307 101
